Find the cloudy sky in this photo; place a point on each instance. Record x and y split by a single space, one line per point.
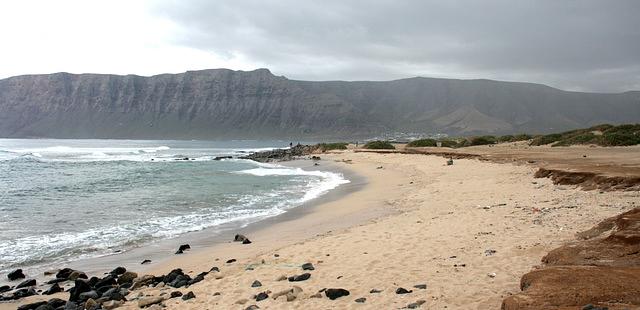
575 45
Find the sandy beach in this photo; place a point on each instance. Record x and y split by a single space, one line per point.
468 232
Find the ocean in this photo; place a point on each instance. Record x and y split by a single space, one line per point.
66 200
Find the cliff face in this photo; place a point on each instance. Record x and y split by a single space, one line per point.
235 104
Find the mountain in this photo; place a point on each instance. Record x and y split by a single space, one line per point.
221 103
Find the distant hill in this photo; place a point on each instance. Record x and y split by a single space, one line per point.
221 103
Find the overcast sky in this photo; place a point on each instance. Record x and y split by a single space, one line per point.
574 45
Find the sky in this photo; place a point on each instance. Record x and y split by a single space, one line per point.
580 45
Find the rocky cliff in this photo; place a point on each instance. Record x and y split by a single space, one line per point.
221 103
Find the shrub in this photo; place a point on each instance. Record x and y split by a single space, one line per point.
422 143
482 140
449 143
507 138
379 145
546 139
332 146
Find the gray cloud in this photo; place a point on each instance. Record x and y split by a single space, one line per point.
578 45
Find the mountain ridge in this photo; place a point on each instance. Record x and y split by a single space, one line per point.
223 103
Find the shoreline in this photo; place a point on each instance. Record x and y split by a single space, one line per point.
161 251
416 221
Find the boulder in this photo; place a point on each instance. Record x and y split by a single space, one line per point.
4 288
32 306
112 304
262 296
81 286
127 277
176 294
26 283
77 275
256 283
246 241
55 288
118 271
64 273
25 292
308 266
88 295
15 275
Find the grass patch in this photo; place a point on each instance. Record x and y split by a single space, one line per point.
379 145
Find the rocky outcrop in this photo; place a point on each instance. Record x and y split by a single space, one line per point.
222 103
282 154
602 269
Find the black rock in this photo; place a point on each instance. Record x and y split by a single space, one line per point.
56 280
256 283
32 306
262 296
420 286
308 266
86 295
214 269
46 307
334 293
233 260
64 273
401 290
55 288
15 275
222 157
179 252
56 302
252 307
175 294
80 287
93 281
25 292
592 307
188 296
180 281
184 247
4 288
375 291
197 278
239 238
246 241
118 271
27 283
108 280
73 306
146 261
361 300
113 293
416 304
298 278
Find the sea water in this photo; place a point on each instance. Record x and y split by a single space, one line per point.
65 200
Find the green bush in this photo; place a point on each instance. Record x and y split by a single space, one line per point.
507 138
546 139
379 145
482 140
449 143
332 146
422 143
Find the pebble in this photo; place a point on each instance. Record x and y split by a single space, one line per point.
188 296
334 293
262 296
308 266
298 278
416 304
375 291
361 300
420 286
402 290
256 283
252 307
148 301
